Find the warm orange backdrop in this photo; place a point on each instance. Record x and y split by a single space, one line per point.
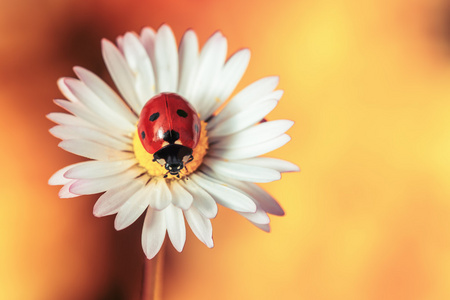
368 84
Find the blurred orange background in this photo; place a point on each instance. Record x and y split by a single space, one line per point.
368 85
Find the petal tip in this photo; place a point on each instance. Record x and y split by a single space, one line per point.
96 211
164 27
210 243
118 225
60 82
147 30
78 70
49 116
53 181
245 51
106 44
279 211
295 168
179 249
252 208
190 31
62 144
65 194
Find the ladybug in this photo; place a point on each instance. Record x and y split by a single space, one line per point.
169 128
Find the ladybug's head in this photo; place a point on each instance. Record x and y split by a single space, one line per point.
173 157
174 167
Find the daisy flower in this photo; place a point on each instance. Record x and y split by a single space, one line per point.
225 165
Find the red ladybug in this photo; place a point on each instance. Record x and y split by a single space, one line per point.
169 128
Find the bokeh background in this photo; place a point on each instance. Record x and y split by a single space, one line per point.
368 217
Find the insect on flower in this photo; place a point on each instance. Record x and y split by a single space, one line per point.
169 129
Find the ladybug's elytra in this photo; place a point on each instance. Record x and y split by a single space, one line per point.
169 128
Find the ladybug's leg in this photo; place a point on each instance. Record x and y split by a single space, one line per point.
191 158
165 175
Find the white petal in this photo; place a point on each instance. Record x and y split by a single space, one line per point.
121 74
166 60
66 91
263 227
79 110
95 104
251 151
233 71
131 210
58 178
159 193
180 197
202 200
175 226
96 169
212 58
119 43
253 135
141 65
230 76
106 93
244 119
242 172
225 195
264 202
148 36
188 55
253 92
200 226
256 92
267 202
98 185
110 202
272 163
67 119
93 133
64 192
74 132
94 150
258 217
153 232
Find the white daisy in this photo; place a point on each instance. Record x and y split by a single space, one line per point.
101 125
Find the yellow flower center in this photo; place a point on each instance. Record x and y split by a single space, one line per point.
154 169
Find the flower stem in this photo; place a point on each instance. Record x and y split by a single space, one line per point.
152 279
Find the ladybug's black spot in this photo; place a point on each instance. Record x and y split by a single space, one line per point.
196 128
154 116
182 113
171 136
143 135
